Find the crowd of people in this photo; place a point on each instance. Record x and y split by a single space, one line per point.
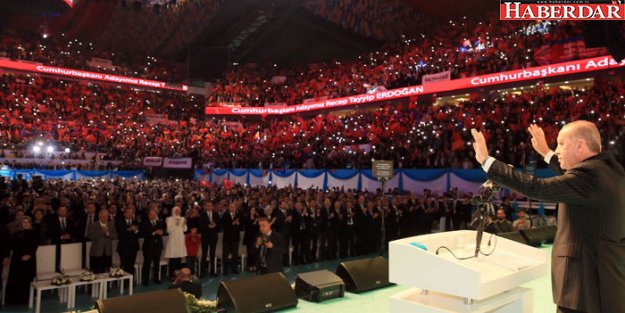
83 55
317 225
465 48
120 123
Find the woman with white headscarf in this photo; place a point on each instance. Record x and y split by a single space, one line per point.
175 249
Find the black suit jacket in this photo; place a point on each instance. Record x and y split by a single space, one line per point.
209 233
232 232
55 231
151 242
128 239
588 256
273 256
81 226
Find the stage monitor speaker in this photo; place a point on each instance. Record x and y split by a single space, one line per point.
363 275
164 301
265 293
540 235
319 286
514 236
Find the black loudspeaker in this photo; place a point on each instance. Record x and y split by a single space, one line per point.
363 275
514 236
164 301
540 235
265 293
319 286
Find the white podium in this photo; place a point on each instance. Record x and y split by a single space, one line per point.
443 283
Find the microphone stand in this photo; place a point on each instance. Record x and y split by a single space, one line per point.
485 204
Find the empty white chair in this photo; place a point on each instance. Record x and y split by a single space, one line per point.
71 258
46 258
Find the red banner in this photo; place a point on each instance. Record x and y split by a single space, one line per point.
534 73
90 76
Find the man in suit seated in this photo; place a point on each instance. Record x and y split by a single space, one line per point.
270 247
184 281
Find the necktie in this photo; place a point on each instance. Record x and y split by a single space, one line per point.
129 222
63 227
210 216
350 221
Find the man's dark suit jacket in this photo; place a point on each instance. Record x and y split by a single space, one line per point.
588 256
189 287
151 243
274 255
128 239
209 234
55 230
232 232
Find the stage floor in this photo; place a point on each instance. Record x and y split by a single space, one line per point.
372 301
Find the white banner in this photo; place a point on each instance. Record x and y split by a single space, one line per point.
153 161
431 78
177 163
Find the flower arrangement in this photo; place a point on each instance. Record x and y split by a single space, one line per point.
60 279
87 276
199 306
116 272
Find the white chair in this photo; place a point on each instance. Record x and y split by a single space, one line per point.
139 263
219 252
242 252
71 255
116 261
46 258
164 262
5 277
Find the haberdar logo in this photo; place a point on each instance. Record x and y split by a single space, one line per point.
598 10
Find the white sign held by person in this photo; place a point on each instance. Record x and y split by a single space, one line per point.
177 163
431 78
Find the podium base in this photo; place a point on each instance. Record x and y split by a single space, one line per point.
517 300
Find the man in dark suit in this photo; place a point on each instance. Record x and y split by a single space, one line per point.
231 225
84 220
271 246
301 234
347 235
152 232
60 227
588 256
128 233
209 230
184 281
283 224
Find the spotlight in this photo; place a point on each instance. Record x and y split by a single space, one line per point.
50 149
67 150
36 149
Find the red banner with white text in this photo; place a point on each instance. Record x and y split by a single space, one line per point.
89 76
